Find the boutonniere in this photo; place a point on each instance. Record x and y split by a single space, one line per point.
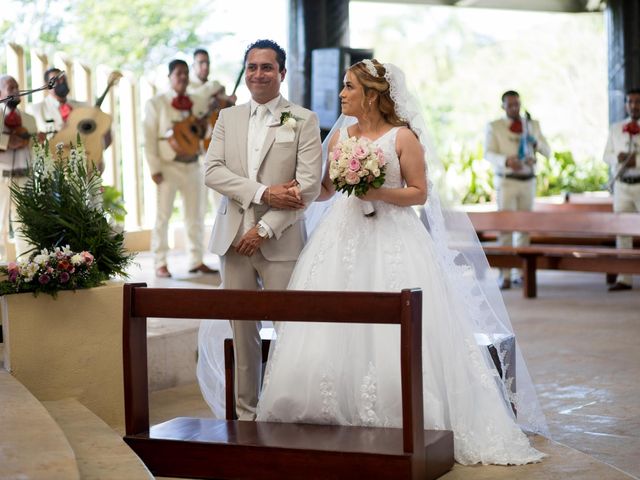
287 119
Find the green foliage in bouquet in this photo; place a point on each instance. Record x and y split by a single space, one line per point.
62 205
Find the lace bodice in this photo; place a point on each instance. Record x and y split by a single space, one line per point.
387 142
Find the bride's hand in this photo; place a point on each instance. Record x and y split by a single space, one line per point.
372 194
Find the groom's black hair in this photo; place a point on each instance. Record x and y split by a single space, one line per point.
281 55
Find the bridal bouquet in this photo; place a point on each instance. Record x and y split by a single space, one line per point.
357 165
50 271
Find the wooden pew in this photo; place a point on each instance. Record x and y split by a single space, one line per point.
230 449
584 258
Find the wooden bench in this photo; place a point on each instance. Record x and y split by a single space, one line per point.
584 258
230 449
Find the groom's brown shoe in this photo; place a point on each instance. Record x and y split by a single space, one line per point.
505 284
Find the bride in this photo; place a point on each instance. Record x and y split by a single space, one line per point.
349 374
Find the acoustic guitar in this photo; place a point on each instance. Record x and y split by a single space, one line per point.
91 124
185 135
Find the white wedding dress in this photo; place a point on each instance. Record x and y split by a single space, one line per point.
350 374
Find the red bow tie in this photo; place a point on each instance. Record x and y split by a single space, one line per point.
13 119
65 110
632 128
516 126
182 102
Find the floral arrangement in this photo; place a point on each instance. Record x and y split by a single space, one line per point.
50 271
357 164
61 210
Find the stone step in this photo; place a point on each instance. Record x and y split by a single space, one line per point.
32 444
100 451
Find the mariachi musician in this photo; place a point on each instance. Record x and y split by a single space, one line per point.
16 142
54 111
511 145
174 167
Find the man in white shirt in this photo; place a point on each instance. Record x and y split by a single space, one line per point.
16 145
51 114
173 171
511 146
621 153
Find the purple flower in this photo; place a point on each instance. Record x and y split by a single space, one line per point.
64 277
13 275
44 279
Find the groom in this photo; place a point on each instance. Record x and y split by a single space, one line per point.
259 151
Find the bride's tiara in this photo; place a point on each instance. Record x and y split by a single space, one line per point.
370 67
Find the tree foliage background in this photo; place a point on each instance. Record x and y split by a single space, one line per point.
134 35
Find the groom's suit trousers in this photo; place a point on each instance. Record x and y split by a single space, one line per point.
239 273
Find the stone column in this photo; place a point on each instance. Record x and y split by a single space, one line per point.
313 24
623 36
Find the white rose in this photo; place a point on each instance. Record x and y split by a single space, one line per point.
76 259
376 172
290 122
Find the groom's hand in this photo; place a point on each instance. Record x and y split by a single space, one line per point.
249 243
284 196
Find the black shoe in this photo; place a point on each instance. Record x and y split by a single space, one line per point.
618 286
202 268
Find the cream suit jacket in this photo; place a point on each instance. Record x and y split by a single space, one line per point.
47 113
280 161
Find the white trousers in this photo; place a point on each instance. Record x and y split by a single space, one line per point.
188 179
514 195
626 198
9 218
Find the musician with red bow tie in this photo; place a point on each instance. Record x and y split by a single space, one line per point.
51 114
621 153
172 171
511 146
15 159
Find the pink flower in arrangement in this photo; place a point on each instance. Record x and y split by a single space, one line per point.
44 279
64 277
87 257
14 271
337 153
354 165
352 178
380 155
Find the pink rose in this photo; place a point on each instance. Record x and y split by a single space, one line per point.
381 160
86 258
352 178
13 266
354 165
360 152
337 152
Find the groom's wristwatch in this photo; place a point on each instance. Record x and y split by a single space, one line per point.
262 231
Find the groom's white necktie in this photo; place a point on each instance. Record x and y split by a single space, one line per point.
256 135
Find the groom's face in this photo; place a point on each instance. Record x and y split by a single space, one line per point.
262 76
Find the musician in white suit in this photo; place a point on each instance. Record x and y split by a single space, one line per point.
254 160
621 153
174 172
15 161
511 145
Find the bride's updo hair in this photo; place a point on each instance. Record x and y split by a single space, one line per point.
364 71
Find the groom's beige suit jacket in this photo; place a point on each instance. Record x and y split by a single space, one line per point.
285 156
